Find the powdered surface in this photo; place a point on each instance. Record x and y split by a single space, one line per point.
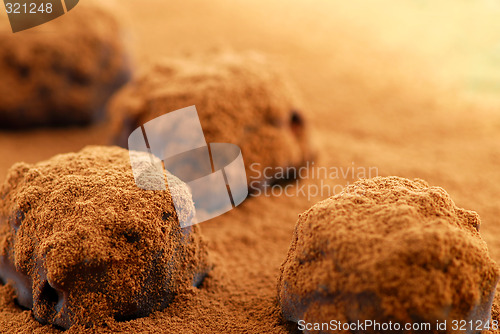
240 98
388 249
68 68
92 245
367 103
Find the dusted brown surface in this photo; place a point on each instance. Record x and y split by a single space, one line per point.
388 249
240 100
88 245
367 103
64 73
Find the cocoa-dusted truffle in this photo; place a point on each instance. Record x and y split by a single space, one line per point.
81 242
62 72
388 250
240 99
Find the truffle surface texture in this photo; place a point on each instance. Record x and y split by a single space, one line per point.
80 242
61 72
388 249
240 98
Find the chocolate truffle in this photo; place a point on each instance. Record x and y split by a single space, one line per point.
80 242
240 98
62 72
388 250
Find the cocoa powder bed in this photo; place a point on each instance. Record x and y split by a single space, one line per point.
399 121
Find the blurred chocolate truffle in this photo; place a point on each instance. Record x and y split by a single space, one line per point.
80 242
241 99
61 72
388 250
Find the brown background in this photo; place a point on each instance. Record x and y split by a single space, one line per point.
407 87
